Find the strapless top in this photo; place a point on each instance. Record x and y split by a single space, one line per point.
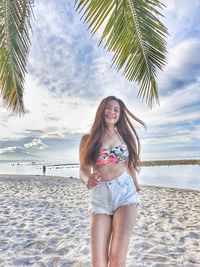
117 154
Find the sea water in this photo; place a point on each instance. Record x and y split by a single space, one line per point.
177 176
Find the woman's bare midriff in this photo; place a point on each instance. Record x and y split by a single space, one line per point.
111 171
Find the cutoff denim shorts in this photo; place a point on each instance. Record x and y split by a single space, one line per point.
106 197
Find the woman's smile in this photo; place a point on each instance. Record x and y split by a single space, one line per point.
112 111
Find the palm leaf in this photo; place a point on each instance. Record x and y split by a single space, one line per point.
134 35
14 46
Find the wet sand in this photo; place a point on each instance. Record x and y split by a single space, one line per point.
44 221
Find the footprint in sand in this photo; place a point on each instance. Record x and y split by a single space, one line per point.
193 235
36 245
64 230
4 245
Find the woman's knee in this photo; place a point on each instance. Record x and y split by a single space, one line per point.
99 263
116 260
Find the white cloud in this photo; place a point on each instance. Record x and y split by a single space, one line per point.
196 132
181 18
35 144
169 139
12 150
182 68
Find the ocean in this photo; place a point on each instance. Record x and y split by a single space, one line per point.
177 176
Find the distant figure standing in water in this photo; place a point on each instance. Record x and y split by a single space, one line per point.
44 169
109 158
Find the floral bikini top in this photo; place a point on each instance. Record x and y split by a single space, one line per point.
117 154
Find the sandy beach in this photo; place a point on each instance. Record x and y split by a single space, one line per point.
44 221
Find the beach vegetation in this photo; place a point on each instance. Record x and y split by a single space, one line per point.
170 162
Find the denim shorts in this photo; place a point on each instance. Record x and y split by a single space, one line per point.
106 197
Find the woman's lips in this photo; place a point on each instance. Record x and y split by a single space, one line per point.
110 117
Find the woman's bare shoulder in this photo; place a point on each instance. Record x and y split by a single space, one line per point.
84 138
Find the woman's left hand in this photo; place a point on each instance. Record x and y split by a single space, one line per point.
138 188
94 180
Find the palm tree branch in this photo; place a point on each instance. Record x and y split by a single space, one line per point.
134 35
14 47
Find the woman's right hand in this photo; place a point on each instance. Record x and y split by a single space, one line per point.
94 180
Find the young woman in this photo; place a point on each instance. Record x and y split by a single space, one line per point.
109 158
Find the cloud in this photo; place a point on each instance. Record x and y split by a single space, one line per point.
183 67
12 150
66 55
196 132
66 60
35 144
181 19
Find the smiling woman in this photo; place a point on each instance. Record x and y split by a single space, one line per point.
109 158
112 112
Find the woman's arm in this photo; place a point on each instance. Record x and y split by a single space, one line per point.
86 177
84 171
132 172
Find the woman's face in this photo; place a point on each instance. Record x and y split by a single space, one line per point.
112 112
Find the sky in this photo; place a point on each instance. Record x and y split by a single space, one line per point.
69 74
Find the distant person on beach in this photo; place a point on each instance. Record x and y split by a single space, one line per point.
109 159
44 169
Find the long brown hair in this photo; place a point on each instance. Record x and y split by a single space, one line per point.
92 141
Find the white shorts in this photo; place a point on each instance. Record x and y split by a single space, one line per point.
106 197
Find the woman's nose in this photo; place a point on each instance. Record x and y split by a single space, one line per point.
112 111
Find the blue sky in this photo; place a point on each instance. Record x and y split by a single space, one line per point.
68 75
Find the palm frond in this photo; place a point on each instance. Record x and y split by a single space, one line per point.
134 35
14 46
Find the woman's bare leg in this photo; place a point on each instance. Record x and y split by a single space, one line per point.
100 233
124 220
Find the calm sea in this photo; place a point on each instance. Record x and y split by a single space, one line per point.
177 176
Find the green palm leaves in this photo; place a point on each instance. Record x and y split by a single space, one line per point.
14 46
132 32
135 36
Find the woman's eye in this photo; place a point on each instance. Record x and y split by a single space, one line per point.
110 108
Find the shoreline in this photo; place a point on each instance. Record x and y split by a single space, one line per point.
144 163
76 178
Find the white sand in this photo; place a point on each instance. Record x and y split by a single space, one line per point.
44 221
